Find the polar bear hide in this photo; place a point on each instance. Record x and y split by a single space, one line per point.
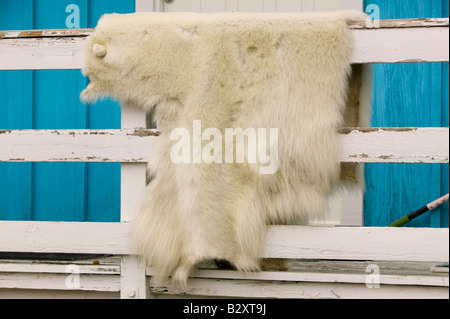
288 72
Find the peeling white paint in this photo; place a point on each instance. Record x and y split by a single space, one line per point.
396 41
406 145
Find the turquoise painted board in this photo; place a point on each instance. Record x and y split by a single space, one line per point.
15 178
16 113
414 95
48 99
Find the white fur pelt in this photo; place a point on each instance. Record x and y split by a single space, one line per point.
229 70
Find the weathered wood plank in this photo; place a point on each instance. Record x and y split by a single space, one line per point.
133 177
401 45
395 145
357 243
84 32
343 271
284 276
52 33
373 145
64 237
395 41
75 275
402 23
77 145
133 281
57 268
293 242
105 276
41 281
301 290
42 53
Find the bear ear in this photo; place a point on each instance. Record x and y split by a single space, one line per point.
99 50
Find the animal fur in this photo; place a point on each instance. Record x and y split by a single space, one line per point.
233 70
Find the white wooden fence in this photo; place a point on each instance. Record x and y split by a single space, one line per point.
336 262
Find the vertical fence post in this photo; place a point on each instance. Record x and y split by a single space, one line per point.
132 276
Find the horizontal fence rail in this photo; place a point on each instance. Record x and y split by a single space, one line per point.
344 243
359 145
127 145
394 41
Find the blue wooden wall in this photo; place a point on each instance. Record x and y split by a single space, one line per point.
49 99
411 95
